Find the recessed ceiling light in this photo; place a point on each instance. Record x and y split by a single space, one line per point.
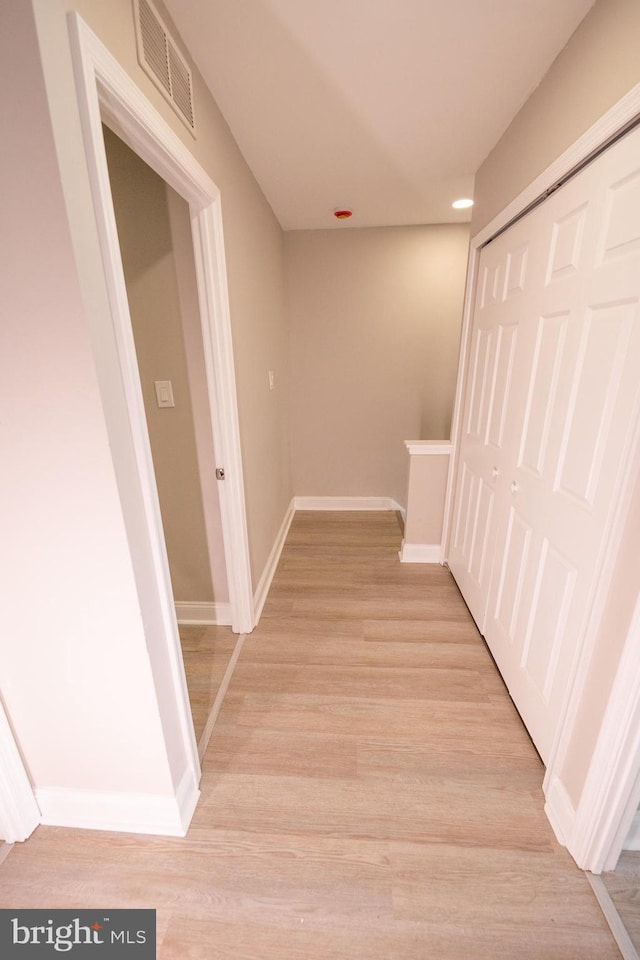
462 204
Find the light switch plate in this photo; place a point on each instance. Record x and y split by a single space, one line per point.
164 393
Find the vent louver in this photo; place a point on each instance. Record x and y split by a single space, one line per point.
160 58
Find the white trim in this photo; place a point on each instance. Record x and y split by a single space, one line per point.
128 812
632 841
610 123
203 742
264 583
346 503
459 401
428 448
560 812
611 793
420 552
211 275
611 915
19 813
105 90
187 796
197 613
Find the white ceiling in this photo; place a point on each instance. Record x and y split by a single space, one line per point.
385 106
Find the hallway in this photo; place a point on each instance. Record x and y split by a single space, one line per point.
368 792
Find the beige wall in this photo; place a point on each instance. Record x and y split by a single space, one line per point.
375 325
146 244
599 64
253 245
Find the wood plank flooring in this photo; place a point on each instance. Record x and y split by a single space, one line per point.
369 792
206 652
623 886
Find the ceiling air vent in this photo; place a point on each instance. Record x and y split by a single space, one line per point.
160 58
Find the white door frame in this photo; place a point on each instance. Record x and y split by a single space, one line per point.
611 793
592 837
19 812
106 92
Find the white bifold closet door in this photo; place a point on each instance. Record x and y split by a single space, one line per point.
551 410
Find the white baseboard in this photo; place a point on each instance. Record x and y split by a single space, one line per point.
421 552
633 837
264 582
346 503
203 614
560 812
124 812
187 796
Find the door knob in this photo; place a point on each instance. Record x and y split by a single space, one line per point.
514 487
495 473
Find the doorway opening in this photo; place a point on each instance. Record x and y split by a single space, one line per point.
107 95
154 235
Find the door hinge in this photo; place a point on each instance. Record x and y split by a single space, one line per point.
220 473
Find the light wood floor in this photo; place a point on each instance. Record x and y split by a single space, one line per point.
369 791
206 652
623 886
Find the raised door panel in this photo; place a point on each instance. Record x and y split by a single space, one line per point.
579 428
488 422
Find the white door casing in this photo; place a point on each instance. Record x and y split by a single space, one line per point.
611 795
19 812
106 93
535 499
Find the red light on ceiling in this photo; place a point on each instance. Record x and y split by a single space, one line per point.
342 214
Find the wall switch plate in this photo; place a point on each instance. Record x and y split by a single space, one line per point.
164 393
272 379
